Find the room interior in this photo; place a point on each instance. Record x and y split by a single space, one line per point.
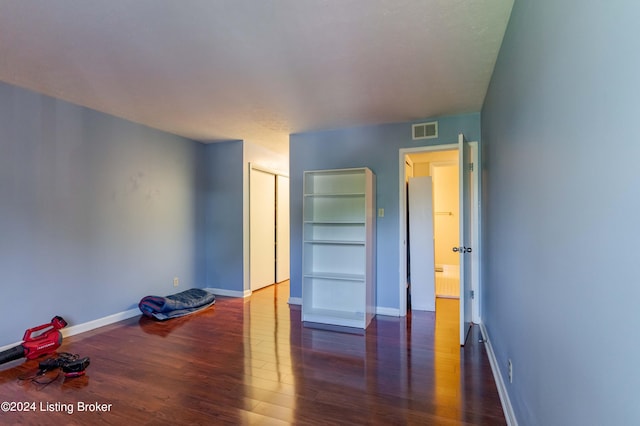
127 132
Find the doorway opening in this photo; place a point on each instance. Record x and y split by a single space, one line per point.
433 187
268 227
410 163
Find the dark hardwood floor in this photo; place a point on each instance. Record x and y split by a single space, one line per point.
251 362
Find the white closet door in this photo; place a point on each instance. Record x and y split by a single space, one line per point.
262 219
421 244
282 229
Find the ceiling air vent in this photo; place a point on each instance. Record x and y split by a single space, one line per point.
425 130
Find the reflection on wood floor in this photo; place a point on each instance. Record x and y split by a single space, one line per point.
251 362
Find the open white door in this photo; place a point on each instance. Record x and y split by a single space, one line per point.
464 248
422 268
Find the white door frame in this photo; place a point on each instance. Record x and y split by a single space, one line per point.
476 283
282 229
402 218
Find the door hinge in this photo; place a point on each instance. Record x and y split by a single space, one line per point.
473 294
470 167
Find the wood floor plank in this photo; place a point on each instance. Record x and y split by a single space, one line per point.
252 362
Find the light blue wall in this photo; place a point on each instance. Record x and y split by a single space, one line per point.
561 203
223 193
95 212
376 147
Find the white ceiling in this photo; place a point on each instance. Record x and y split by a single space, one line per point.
256 70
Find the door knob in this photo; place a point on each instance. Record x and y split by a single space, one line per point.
462 250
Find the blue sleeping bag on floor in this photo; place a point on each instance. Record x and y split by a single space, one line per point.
176 305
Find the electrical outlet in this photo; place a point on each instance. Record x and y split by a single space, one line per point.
510 365
176 282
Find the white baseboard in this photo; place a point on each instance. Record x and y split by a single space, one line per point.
295 301
500 383
389 312
9 346
89 325
100 322
120 316
229 293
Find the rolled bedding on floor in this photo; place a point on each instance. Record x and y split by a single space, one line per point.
176 305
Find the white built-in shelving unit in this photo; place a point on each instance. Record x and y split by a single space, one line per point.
338 285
